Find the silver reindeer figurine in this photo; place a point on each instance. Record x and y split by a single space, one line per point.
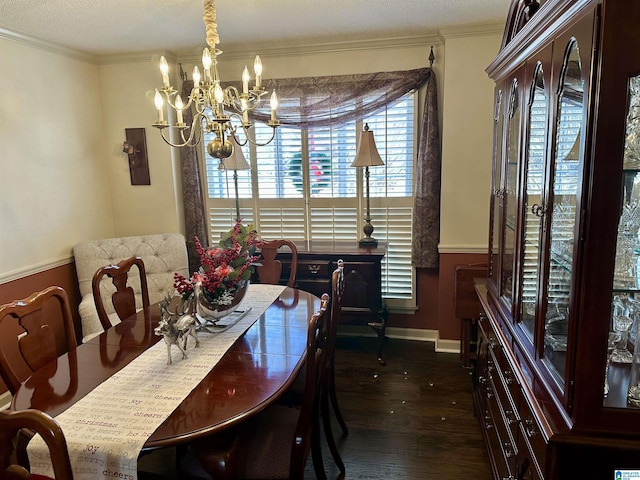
176 326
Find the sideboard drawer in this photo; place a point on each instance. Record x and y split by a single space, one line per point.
313 269
533 435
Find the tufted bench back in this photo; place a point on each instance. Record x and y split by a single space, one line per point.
162 254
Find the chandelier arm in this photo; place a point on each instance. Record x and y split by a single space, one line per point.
233 129
168 97
246 137
232 97
200 107
273 134
190 140
192 99
179 145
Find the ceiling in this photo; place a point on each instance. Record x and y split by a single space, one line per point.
109 27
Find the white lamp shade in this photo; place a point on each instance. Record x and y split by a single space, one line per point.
367 154
236 160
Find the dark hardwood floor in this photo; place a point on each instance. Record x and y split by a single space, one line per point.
410 419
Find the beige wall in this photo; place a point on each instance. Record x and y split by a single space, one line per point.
126 93
53 181
467 131
65 179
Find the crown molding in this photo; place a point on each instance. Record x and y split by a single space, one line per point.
137 57
473 30
436 38
46 46
289 49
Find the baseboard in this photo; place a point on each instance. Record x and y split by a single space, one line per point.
422 335
5 400
448 346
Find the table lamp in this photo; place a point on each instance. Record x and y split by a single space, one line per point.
235 162
367 156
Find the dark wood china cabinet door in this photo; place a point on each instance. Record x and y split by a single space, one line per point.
510 193
564 209
534 193
497 188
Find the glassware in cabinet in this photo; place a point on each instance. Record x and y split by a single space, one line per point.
623 361
566 186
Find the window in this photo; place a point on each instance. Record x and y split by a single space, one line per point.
301 186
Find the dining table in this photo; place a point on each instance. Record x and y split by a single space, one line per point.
249 375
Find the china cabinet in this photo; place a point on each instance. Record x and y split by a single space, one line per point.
556 385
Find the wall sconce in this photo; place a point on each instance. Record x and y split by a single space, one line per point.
367 156
135 146
129 149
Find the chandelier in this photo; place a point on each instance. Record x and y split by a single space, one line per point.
214 106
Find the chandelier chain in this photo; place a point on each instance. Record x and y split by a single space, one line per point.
209 17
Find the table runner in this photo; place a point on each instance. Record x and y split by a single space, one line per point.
105 431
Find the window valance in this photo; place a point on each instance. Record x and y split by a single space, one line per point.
334 100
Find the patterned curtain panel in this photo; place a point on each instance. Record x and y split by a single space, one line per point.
426 211
193 198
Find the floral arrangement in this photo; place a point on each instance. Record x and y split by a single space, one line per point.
224 268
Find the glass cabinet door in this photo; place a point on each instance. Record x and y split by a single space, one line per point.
533 201
566 178
510 200
497 193
625 302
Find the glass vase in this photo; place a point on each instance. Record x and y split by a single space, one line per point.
210 313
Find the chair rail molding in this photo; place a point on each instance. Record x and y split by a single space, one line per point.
6 277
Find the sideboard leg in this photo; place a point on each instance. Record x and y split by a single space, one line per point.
380 328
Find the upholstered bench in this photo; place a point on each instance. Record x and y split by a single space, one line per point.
162 254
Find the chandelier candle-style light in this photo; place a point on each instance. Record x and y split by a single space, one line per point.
214 106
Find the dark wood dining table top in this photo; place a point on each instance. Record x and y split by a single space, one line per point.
252 374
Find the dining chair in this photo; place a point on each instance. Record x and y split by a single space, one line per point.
13 444
41 330
329 397
275 443
270 269
123 298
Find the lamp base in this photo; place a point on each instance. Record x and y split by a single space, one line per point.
368 242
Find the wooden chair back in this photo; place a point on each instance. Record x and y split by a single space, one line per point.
337 292
123 299
329 397
41 334
12 446
315 363
270 269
